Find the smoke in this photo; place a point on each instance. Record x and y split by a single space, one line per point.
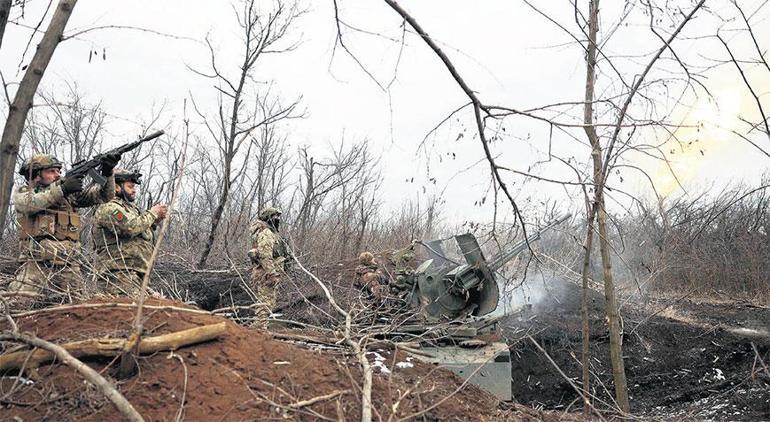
537 293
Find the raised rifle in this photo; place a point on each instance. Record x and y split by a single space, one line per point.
88 167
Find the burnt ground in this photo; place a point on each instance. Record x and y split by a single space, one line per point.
684 358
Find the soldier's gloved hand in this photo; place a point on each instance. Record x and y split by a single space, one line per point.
72 185
160 210
109 161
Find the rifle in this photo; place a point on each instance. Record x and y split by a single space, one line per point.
83 167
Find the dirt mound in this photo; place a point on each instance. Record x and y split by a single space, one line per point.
682 358
246 375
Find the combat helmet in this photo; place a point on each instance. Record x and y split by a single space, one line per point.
123 175
366 258
39 162
269 212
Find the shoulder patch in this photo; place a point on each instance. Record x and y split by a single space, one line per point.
118 215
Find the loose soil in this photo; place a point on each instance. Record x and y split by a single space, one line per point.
245 375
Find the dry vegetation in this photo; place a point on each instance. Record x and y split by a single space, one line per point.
659 254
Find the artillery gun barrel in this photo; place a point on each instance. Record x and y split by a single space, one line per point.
498 262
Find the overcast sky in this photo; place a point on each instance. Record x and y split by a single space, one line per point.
510 55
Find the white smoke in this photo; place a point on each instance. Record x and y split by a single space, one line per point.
534 291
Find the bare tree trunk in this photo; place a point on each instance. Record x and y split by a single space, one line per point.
215 220
22 102
586 349
261 32
5 11
611 306
590 209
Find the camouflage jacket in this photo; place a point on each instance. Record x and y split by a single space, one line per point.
268 250
49 223
361 274
123 236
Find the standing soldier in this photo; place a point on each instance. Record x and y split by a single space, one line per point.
268 253
123 237
49 225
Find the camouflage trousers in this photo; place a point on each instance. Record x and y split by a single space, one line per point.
53 283
120 282
265 286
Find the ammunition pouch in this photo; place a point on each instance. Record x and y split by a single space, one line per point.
50 224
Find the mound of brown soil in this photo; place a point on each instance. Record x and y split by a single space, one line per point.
245 375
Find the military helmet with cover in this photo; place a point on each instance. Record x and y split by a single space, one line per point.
37 163
269 212
123 175
366 258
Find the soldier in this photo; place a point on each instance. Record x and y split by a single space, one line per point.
123 237
369 276
404 261
49 233
268 253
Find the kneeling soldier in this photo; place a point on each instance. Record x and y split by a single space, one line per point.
369 276
123 237
49 233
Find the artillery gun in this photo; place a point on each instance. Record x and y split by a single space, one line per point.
447 290
454 301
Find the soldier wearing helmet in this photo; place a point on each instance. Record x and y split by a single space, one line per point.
369 276
123 237
49 225
268 253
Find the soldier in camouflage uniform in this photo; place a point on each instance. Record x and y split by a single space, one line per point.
49 226
404 260
123 237
369 276
268 253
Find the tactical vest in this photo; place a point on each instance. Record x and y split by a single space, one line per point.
279 248
61 222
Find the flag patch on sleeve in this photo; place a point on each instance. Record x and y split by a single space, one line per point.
118 215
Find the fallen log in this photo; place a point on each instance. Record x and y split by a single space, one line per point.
114 346
123 405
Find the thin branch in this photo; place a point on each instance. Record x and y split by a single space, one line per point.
478 106
120 402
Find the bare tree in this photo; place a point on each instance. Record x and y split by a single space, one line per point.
5 12
65 125
22 102
322 178
240 113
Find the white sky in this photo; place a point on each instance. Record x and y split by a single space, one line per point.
508 53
